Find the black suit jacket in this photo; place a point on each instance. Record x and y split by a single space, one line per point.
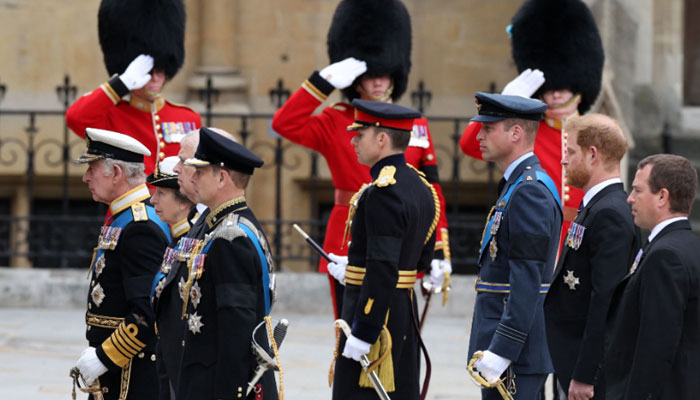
575 318
653 350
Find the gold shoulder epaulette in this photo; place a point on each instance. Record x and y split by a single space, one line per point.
386 176
179 105
139 212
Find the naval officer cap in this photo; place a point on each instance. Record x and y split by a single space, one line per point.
383 115
109 144
494 107
215 149
164 175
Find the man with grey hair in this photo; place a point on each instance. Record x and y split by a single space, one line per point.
120 323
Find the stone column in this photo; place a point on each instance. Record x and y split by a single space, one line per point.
217 58
217 29
19 229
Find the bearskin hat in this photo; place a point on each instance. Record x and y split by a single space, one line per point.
377 32
560 37
128 28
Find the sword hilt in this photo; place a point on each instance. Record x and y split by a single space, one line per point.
365 363
483 383
266 357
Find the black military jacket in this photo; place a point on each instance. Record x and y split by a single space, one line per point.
392 230
392 237
224 304
119 318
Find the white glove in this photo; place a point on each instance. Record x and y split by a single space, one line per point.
437 272
355 348
337 267
526 84
90 366
343 73
491 366
137 74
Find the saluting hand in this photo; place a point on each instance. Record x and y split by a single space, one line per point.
526 84
137 74
343 73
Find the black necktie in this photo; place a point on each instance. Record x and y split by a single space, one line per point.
501 185
580 207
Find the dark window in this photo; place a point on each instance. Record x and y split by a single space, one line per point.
691 50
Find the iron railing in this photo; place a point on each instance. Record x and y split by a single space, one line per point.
60 231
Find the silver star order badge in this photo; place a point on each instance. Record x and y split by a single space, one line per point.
195 295
97 295
571 280
99 265
194 323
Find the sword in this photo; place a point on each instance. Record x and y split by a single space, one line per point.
94 389
266 358
312 243
364 362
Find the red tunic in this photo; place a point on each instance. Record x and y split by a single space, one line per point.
327 134
159 125
550 146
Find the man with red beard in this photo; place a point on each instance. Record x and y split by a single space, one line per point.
597 252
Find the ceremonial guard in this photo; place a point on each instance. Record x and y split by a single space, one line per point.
120 322
652 346
561 39
229 287
175 209
598 249
143 47
518 251
369 46
392 223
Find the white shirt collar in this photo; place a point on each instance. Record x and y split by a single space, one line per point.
515 164
661 225
590 194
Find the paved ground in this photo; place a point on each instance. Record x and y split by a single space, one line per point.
38 346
